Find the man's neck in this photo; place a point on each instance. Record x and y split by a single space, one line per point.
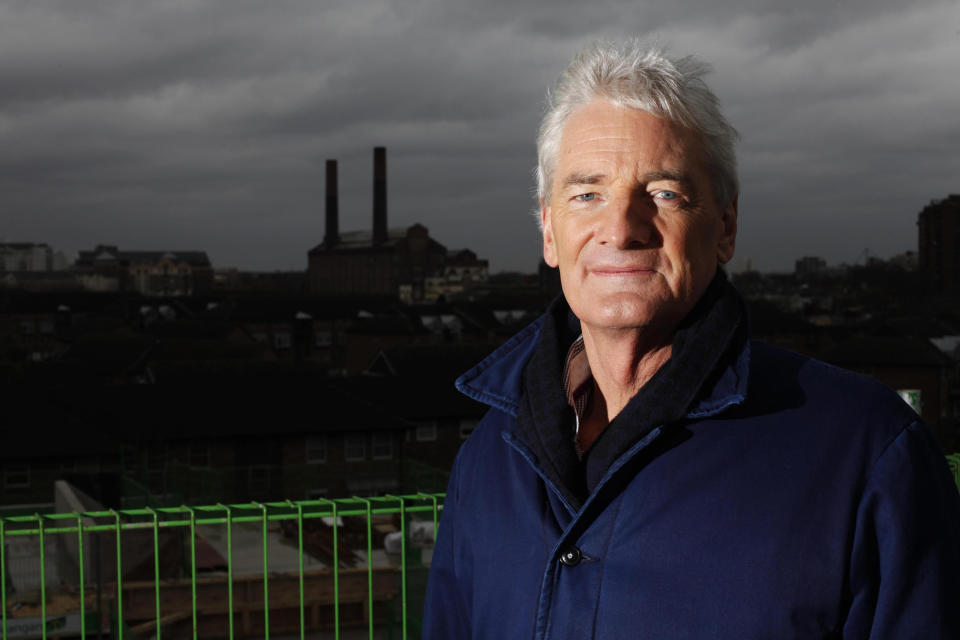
621 362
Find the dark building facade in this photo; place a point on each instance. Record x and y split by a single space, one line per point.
358 264
938 225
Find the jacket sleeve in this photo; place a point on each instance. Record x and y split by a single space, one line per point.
905 563
446 615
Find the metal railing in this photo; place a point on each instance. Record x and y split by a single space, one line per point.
320 567
348 567
953 461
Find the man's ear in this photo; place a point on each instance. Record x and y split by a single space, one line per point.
549 247
728 234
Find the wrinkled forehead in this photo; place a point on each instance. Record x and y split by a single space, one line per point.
602 135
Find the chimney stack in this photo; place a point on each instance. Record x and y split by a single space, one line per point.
379 195
332 236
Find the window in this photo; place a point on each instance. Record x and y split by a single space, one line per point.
156 457
93 464
427 432
354 447
16 476
130 457
258 479
382 446
155 467
316 448
281 340
199 454
467 425
323 339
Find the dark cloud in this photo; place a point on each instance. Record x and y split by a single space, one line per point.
205 123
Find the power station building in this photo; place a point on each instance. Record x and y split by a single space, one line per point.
404 262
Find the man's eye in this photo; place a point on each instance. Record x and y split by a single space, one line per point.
667 195
585 197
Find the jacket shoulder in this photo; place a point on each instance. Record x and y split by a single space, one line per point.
497 380
825 394
486 439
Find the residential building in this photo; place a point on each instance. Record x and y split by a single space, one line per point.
26 256
938 226
150 273
809 264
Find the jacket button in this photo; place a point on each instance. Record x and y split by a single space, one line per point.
571 557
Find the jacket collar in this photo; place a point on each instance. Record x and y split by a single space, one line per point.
497 380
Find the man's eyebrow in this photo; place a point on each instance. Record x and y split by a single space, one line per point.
583 178
577 178
675 176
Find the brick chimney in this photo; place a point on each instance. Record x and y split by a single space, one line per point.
332 236
379 195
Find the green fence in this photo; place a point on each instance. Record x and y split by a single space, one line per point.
953 460
351 568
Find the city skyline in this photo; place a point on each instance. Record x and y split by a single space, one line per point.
188 125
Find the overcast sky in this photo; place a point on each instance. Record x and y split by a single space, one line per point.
205 124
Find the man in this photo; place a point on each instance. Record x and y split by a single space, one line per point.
645 469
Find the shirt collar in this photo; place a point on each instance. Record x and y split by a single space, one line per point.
577 385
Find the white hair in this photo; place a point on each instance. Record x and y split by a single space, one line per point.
630 75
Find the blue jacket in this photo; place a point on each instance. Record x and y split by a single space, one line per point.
799 501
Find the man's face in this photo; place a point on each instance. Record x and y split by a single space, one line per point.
632 221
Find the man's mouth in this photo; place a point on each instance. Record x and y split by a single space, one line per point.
621 270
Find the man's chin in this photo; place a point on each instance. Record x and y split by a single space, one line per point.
628 312
621 316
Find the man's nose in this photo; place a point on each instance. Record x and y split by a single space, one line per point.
627 222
